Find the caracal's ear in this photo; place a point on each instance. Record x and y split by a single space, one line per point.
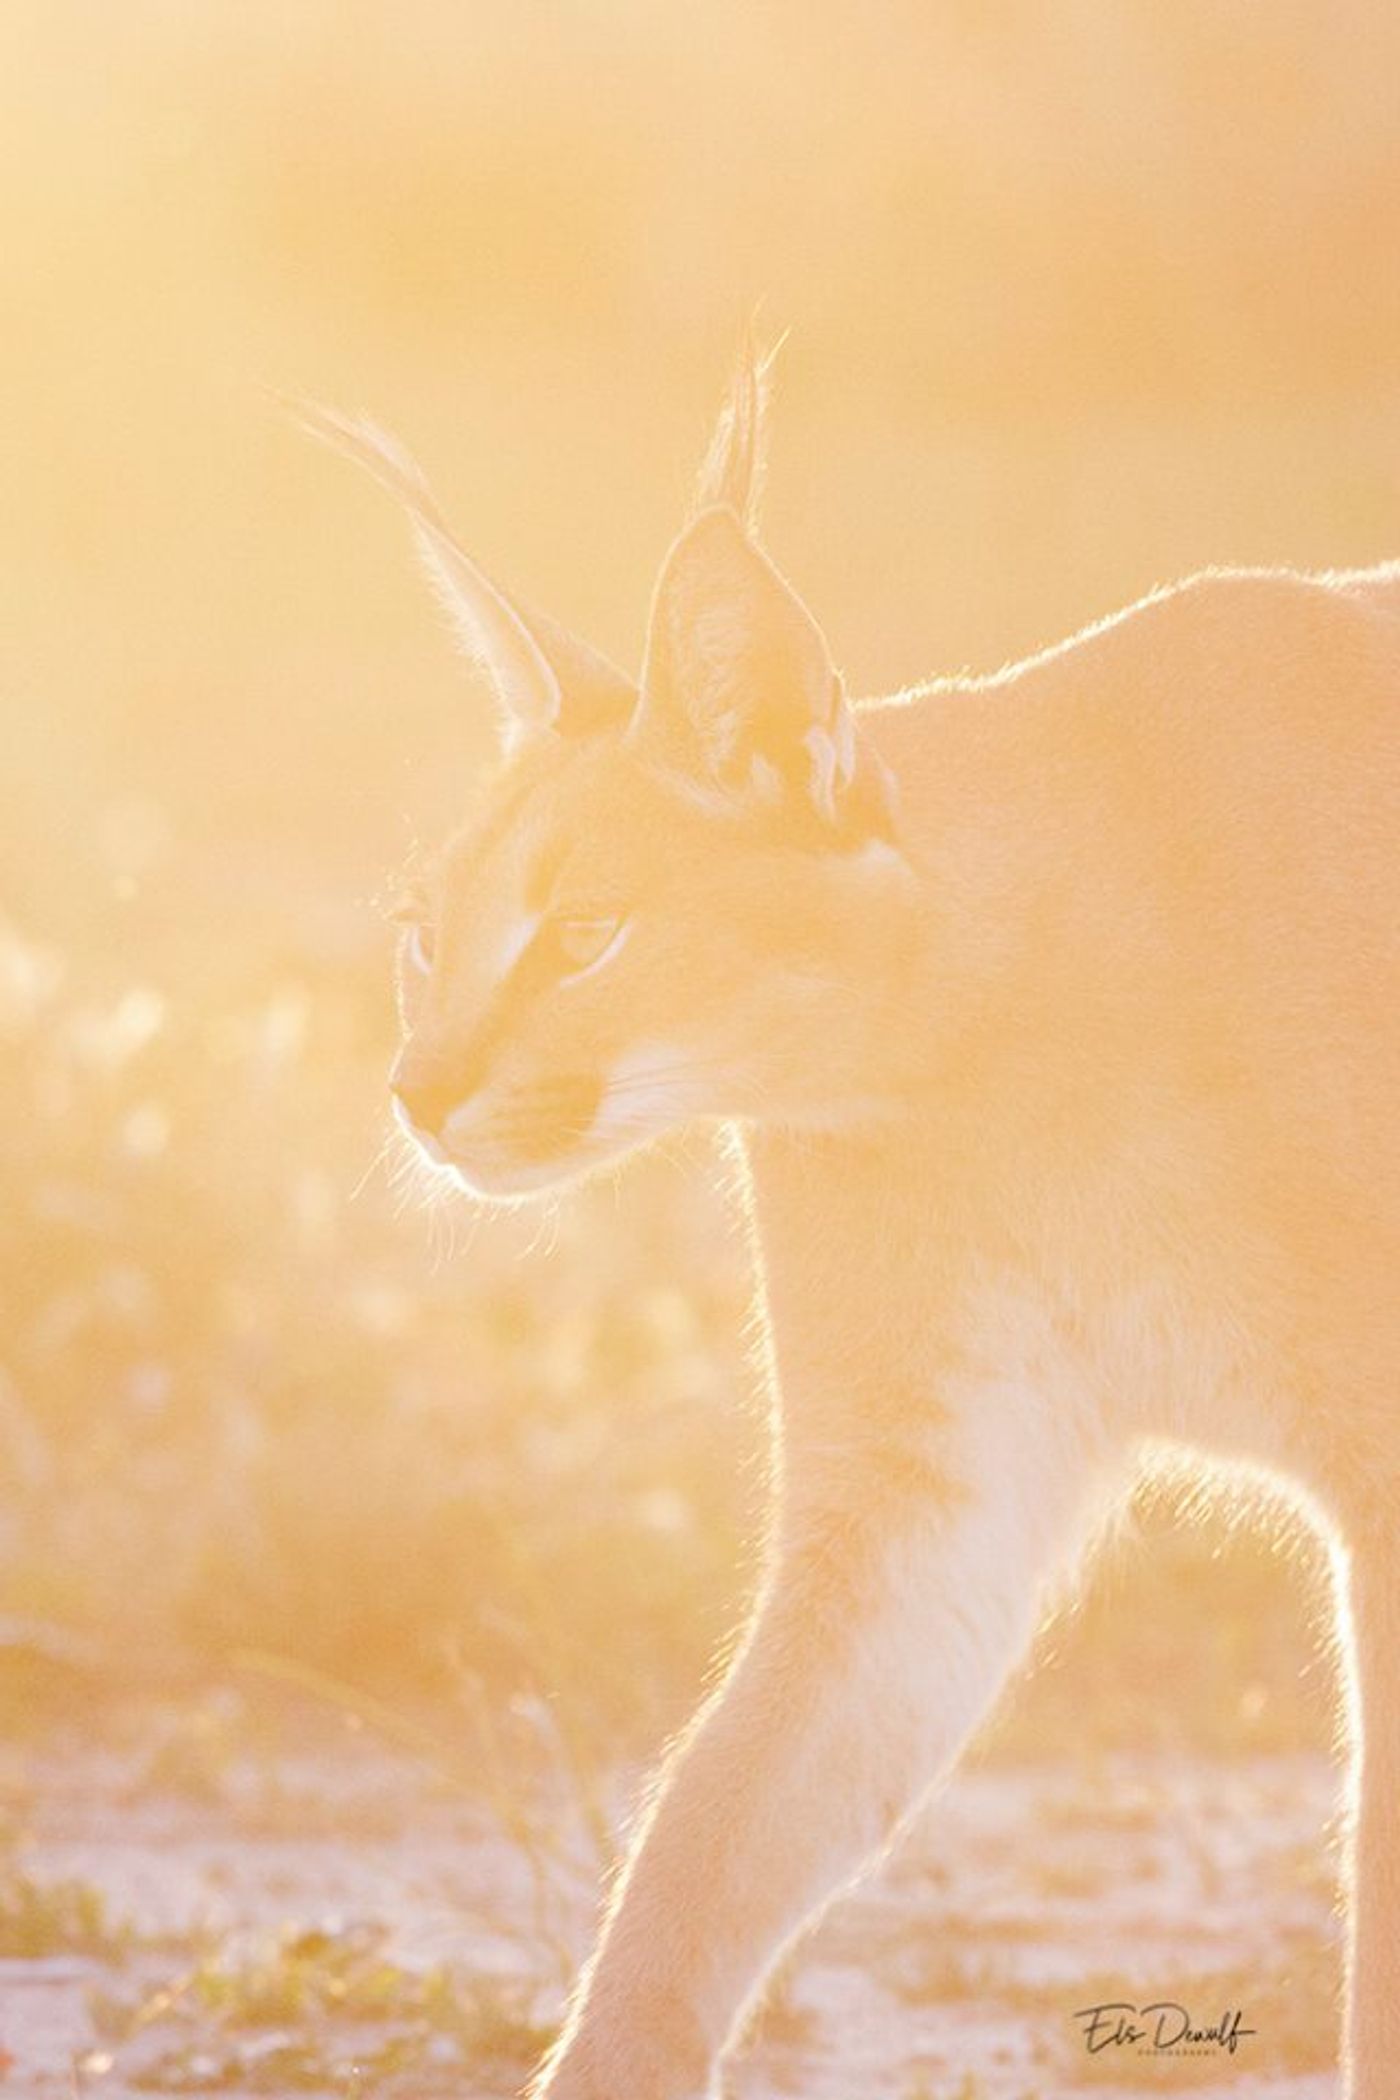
543 677
732 475
739 690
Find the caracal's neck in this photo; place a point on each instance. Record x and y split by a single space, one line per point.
1015 812
972 822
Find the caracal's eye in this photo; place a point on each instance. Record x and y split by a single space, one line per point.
412 911
419 945
579 944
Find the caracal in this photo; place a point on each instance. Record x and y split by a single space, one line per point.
1055 1019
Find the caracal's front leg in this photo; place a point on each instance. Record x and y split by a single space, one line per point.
915 1532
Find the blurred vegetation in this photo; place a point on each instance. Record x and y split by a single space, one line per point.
274 2019
1082 298
247 1406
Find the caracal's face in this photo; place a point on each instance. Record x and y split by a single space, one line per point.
607 951
682 899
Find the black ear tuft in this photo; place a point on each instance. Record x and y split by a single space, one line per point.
732 475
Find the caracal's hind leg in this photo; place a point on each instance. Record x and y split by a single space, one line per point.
1373 1980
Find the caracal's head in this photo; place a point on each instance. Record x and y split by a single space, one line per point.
679 900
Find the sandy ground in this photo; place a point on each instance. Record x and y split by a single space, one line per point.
955 1973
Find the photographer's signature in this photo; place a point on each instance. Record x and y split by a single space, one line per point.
1163 2028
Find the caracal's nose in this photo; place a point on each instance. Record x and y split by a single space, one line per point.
426 1092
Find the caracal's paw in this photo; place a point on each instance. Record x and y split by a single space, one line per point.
567 2084
655 2058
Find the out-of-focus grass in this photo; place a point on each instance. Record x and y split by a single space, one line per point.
315 2009
56 1917
247 1407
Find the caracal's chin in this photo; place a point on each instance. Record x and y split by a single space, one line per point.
494 1174
501 1180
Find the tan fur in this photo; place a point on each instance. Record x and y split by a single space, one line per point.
1056 1014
